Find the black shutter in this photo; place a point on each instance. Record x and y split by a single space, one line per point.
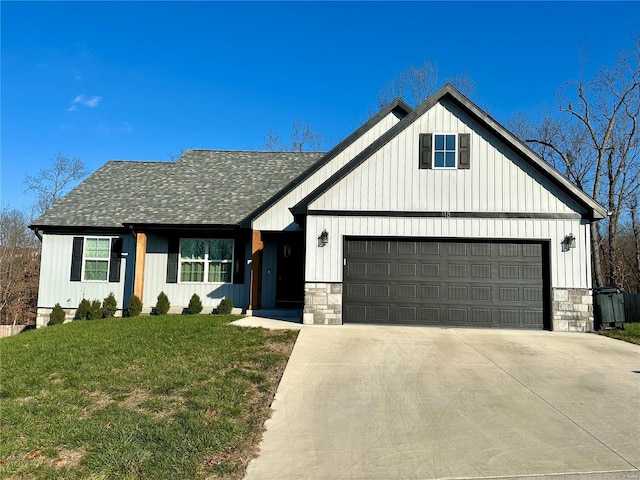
425 150
76 259
238 260
116 258
172 260
464 151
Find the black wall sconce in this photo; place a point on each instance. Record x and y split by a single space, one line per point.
323 239
569 242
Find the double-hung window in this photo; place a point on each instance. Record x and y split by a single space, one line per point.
96 259
206 260
97 252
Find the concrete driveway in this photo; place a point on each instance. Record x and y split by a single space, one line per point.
370 402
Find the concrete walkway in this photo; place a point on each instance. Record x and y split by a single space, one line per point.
369 402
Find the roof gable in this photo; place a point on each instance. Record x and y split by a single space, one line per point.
448 93
397 107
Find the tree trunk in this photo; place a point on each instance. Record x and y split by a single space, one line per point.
595 255
635 226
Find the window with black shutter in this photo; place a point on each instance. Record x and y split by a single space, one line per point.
445 151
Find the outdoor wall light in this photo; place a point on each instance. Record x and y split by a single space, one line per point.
569 242
323 239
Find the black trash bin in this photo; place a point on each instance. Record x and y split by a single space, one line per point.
609 308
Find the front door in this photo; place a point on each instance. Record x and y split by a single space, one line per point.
290 271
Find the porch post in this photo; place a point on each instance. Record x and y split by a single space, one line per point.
256 270
138 276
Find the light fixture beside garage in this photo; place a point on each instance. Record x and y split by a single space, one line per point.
323 239
569 242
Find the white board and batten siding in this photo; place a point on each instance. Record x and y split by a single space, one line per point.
569 269
55 272
179 294
278 217
498 180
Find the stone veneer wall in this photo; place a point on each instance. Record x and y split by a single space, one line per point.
572 310
322 304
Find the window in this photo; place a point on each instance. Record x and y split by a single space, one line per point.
97 252
444 151
210 259
96 259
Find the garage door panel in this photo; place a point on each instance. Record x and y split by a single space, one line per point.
380 313
380 291
444 283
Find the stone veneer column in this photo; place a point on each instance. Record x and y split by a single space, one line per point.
322 304
572 310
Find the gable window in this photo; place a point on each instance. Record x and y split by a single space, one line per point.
206 260
444 151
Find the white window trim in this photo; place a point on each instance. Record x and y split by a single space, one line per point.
85 257
433 152
206 261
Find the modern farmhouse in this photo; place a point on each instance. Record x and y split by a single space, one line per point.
431 216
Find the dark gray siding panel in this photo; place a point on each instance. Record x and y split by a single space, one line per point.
445 282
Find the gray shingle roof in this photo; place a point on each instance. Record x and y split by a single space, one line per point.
204 187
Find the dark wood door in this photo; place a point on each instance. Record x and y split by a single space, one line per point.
290 271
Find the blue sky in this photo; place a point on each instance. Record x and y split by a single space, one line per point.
144 80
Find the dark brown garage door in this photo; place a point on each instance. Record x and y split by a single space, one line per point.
447 282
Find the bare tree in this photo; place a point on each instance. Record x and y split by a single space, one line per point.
19 269
635 232
596 144
302 138
463 82
272 141
174 157
415 84
52 183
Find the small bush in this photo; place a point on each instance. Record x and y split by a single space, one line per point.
162 305
57 316
83 309
134 306
195 304
96 311
225 307
109 306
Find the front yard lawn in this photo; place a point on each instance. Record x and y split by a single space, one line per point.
631 333
147 397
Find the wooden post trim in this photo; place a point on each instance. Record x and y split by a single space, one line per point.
257 245
141 255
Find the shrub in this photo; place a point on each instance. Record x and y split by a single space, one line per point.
225 306
96 311
83 309
57 316
109 306
195 304
134 306
162 305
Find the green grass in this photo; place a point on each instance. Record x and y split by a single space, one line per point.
181 397
631 333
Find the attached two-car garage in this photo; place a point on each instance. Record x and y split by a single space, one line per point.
448 282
